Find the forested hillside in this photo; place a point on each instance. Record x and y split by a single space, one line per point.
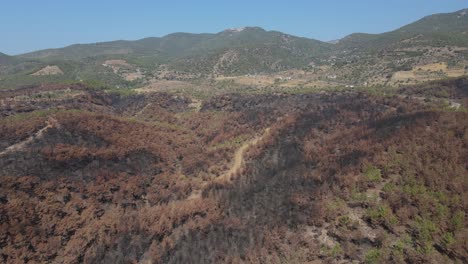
431 48
101 176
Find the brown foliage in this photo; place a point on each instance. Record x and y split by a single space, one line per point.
121 185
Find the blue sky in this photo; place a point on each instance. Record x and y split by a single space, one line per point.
32 25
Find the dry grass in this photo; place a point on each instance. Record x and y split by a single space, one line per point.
427 72
131 76
286 79
165 85
403 75
456 72
117 63
432 67
49 70
258 80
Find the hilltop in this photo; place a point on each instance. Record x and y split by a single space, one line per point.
435 30
229 51
183 44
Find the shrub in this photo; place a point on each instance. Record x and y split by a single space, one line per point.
344 220
388 187
458 220
373 174
447 240
382 215
358 196
336 251
373 256
424 229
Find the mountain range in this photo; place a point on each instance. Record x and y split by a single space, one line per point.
250 50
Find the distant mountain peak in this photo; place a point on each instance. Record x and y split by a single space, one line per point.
242 29
235 29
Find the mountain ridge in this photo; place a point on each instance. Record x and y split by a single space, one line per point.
447 22
171 43
435 27
358 58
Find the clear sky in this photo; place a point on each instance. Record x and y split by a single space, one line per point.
39 24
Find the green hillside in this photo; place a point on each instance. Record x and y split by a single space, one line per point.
450 22
251 50
233 51
184 44
435 30
5 59
357 58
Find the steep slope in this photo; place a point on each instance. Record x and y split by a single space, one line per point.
449 22
5 59
251 50
433 30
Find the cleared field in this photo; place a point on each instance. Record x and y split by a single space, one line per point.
432 67
117 63
403 75
456 72
427 72
165 86
49 70
258 80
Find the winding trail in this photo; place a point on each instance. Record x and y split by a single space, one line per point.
50 123
237 163
142 110
238 160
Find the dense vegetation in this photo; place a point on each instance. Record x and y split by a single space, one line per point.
94 176
434 30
